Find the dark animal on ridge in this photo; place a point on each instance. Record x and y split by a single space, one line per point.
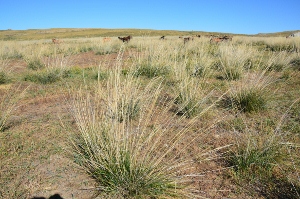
125 39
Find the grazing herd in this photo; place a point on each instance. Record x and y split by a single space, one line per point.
213 39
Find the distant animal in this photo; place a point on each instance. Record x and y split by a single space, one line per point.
291 35
56 41
220 39
215 40
162 37
198 36
186 39
125 39
227 38
106 39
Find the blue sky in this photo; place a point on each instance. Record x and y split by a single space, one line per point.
227 16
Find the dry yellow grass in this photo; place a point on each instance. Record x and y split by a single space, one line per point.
119 77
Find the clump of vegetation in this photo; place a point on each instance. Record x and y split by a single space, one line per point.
8 103
232 73
295 63
129 110
3 77
190 99
44 77
249 95
232 61
84 49
125 160
120 140
253 159
281 47
35 64
248 100
5 69
279 61
101 75
201 71
259 163
151 71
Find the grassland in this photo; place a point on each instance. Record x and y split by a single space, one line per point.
149 118
33 34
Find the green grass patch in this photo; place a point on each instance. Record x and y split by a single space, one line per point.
4 77
151 71
246 100
44 77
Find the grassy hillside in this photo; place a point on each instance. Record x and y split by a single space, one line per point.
33 34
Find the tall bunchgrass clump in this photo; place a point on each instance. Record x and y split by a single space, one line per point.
34 57
279 61
130 152
9 98
250 94
155 61
190 98
125 160
128 98
253 157
200 61
5 59
234 60
116 154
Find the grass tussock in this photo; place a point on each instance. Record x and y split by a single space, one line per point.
9 98
125 160
249 95
122 146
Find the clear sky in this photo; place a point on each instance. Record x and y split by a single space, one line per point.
227 16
